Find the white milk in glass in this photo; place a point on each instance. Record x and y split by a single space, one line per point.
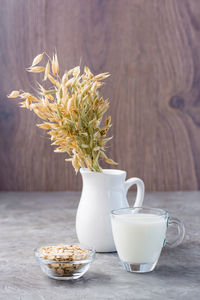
139 237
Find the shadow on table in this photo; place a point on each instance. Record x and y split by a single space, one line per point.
180 271
185 251
180 262
87 278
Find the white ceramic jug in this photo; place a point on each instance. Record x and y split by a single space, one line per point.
101 193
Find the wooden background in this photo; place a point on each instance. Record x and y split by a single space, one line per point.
152 50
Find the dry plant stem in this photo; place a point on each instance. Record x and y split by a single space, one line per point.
72 112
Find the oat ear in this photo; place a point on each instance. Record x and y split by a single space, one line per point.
37 59
37 69
47 70
55 65
72 112
13 94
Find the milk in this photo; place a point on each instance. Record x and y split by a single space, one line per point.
139 237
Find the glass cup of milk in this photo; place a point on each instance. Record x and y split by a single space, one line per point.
140 234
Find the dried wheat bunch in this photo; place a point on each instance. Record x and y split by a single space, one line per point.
72 111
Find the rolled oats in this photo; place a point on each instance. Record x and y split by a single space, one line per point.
61 254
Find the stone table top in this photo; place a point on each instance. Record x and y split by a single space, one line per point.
31 219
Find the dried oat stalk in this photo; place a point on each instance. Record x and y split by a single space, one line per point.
72 112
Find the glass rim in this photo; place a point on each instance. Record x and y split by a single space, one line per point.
161 211
91 252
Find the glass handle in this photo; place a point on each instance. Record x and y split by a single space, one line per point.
174 222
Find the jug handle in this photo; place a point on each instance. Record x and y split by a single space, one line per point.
140 189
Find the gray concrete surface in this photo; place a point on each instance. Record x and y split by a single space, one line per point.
31 219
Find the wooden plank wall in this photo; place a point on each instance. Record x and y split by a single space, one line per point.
152 50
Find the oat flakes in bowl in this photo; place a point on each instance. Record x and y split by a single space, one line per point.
63 261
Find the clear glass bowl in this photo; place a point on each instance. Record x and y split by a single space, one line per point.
66 270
